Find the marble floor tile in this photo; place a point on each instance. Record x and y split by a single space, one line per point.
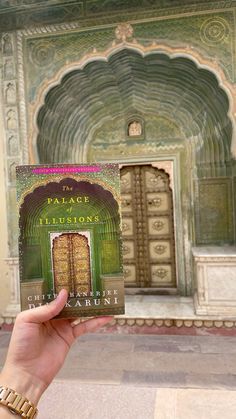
195 404
71 400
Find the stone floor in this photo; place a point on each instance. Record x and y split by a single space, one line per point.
120 376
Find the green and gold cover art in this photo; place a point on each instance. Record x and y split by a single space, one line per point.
70 237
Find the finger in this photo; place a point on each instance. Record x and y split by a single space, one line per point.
46 312
91 325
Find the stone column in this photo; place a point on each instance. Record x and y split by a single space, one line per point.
13 307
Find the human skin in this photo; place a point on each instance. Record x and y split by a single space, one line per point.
38 348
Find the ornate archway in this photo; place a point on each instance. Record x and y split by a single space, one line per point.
184 112
95 100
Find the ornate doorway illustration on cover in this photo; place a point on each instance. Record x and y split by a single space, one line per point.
148 227
71 262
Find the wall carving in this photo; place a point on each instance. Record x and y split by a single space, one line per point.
12 145
7 44
11 121
124 31
42 54
10 93
131 150
214 215
12 132
8 68
214 30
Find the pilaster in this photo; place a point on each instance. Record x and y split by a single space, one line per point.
13 307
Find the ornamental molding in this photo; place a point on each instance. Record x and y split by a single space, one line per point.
12 261
22 99
137 150
161 324
50 29
169 323
216 260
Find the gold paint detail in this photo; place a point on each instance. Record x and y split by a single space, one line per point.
71 263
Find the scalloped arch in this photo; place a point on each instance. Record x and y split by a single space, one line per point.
129 80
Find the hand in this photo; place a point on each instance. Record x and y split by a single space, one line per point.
39 346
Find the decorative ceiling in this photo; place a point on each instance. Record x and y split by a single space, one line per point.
131 84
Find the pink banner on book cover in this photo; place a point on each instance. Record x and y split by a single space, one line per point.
66 169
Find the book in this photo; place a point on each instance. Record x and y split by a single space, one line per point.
70 237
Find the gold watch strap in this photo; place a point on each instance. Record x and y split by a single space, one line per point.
17 403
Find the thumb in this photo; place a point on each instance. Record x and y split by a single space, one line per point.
46 312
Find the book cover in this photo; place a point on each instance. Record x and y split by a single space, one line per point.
70 237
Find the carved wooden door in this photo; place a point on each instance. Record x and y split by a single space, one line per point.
71 263
147 229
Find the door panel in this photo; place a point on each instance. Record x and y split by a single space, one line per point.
71 263
147 228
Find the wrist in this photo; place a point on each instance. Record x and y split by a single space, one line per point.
16 404
23 383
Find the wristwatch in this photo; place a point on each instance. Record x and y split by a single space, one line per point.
17 404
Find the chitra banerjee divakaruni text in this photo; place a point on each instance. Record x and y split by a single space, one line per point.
70 237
